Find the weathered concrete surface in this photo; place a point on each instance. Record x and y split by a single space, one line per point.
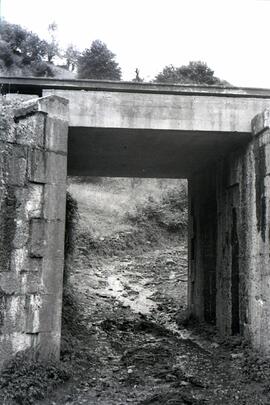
32 215
150 134
188 112
229 240
146 129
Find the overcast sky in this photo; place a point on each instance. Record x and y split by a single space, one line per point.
233 37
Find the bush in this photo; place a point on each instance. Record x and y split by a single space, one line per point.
41 69
24 380
169 213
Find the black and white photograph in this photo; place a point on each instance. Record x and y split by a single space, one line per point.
135 202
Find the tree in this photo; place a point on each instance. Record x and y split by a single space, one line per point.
97 62
22 51
72 55
14 35
20 42
6 57
32 48
194 73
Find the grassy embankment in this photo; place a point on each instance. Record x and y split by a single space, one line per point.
117 215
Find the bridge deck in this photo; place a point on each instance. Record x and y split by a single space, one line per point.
148 129
36 85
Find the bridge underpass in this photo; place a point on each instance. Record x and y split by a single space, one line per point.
117 152
196 156
120 129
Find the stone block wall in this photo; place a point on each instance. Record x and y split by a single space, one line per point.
230 209
243 261
33 160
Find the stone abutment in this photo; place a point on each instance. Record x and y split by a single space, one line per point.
229 271
33 161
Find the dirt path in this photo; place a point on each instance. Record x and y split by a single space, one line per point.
126 345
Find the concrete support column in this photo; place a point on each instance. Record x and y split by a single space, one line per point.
202 245
33 161
229 272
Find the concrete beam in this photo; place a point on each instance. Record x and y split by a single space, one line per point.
113 104
184 112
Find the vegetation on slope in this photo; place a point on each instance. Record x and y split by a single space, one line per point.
121 214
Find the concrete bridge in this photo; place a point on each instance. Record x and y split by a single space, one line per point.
216 137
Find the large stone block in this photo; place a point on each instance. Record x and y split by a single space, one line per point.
55 201
56 168
38 238
56 135
53 261
14 314
32 310
7 127
50 313
21 235
17 164
9 284
28 202
37 166
19 260
7 227
35 265
30 129
30 282
34 201
52 275
43 313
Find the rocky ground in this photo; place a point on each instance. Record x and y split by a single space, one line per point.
126 337
129 342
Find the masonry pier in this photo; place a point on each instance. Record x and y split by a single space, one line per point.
229 279
33 155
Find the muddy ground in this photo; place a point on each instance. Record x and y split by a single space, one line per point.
126 337
128 341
